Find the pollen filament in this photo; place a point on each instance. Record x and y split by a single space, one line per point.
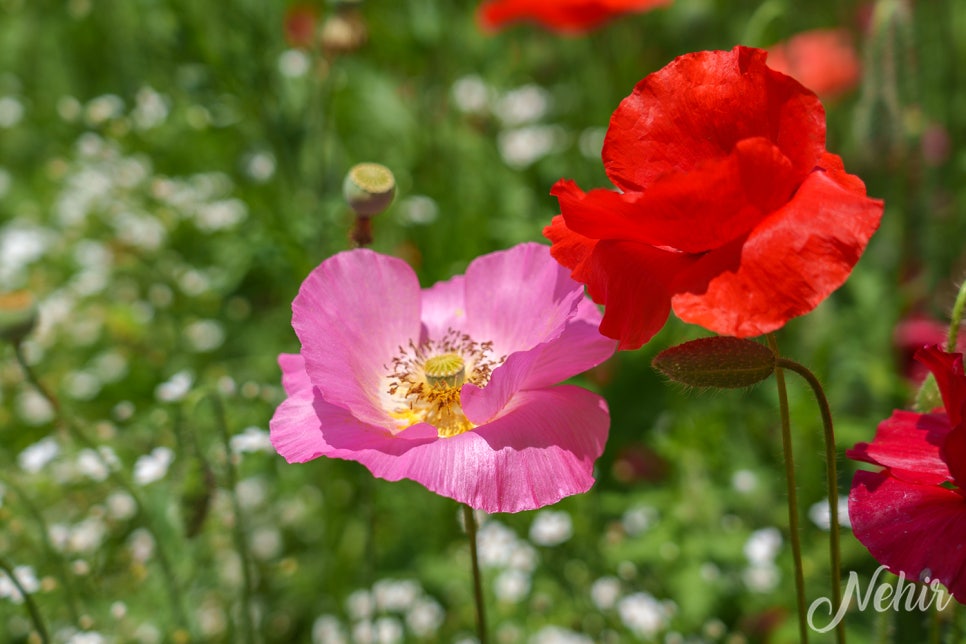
425 380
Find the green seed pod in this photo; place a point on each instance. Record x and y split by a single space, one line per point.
720 362
369 188
18 315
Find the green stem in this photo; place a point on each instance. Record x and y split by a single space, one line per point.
954 629
470 520
832 483
956 318
935 626
28 600
241 545
793 527
52 552
167 571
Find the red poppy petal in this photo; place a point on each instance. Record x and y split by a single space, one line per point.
913 529
735 193
699 106
631 279
908 443
571 250
563 15
948 370
788 264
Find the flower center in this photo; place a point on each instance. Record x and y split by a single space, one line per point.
446 370
425 381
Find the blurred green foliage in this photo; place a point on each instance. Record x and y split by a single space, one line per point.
178 165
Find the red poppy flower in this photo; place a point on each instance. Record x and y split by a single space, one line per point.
823 60
571 16
729 208
908 513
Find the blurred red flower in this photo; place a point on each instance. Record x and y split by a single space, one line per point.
823 60
910 512
300 26
569 16
729 208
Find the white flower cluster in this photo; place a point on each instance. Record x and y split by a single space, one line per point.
761 549
516 559
392 611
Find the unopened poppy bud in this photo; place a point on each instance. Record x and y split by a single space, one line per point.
18 315
721 362
369 188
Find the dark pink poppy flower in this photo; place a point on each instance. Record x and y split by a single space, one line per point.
454 386
911 514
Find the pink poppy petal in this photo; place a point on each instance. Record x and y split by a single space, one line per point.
518 298
788 264
913 529
294 378
305 427
909 444
444 307
536 454
351 315
295 429
579 347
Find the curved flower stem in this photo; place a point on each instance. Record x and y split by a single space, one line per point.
35 616
470 521
956 318
248 623
832 482
52 552
793 528
167 571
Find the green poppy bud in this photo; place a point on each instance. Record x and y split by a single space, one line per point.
369 188
719 362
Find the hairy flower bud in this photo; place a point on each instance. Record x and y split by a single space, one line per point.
721 362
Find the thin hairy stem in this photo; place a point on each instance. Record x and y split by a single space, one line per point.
56 556
956 318
32 609
470 520
793 527
248 622
164 561
831 481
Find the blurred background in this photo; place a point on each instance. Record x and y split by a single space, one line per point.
170 171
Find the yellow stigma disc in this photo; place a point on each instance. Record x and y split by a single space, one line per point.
446 369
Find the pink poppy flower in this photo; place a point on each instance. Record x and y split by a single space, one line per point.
912 513
450 386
